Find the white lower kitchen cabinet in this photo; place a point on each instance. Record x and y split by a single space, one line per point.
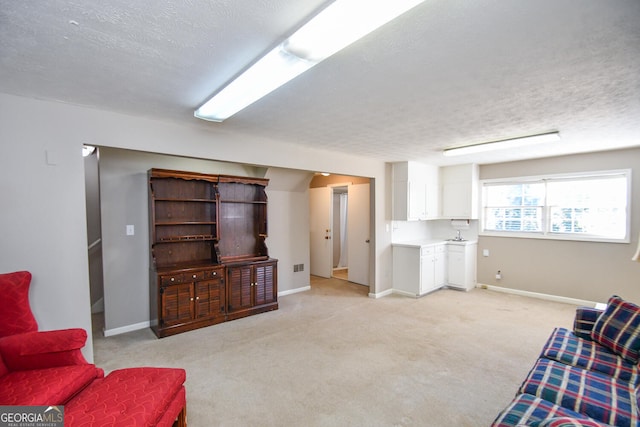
461 265
419 269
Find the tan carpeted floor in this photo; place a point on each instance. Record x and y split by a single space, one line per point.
334 357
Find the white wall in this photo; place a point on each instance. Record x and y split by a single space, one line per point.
44 224
43 212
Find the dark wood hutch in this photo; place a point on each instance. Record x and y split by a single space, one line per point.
209 260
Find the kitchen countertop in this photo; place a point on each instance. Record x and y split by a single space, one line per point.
430 242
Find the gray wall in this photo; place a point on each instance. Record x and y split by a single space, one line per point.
123 178
43 193
583 270
124 201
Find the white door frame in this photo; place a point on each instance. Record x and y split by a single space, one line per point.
319 241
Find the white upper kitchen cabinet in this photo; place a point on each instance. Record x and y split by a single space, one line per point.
459 196
415 191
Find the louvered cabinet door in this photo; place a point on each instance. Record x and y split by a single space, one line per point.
210 298
251 288
177 304
239 279
265 286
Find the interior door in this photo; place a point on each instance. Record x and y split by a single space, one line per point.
358 219
320 205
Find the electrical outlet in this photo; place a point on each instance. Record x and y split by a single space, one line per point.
130 230
498 275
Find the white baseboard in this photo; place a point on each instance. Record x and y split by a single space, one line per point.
404 293
147 324
380 294
548 297
294 291
125 329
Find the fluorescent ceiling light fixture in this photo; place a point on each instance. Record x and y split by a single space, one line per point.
503 144
334 28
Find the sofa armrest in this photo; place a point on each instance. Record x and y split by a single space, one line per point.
39 350
585 319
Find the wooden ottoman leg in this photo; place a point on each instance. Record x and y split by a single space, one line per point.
181 421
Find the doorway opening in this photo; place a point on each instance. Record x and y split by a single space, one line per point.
341 236
94 236
339 226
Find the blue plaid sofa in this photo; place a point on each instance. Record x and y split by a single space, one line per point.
585 377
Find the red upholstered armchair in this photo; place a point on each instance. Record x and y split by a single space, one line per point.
37 368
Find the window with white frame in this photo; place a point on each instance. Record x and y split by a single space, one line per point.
590 206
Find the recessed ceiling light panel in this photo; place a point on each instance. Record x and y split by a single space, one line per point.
503 144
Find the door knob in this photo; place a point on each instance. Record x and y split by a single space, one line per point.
367 241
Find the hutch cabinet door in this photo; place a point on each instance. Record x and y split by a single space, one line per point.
210 298
240 285
176 304
265 284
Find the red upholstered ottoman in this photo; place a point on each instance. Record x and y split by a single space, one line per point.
131 397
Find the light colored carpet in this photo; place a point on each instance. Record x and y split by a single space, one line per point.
332 356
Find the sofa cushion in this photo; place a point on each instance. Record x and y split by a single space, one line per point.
15 316
564 346
565 422
39 350
526 409
584 320
618 328
131 397
52 386
596 395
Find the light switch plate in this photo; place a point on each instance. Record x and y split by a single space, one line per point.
130 230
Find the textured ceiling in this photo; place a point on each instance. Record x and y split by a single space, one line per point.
448 73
